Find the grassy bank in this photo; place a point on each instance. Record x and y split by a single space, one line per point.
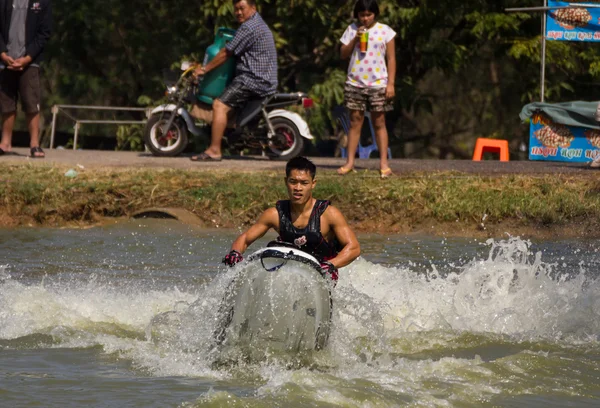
439 203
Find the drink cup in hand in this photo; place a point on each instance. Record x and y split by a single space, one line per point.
364 40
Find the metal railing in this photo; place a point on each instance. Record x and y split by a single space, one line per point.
78 122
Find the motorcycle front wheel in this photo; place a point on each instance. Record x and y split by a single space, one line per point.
165 144
287 141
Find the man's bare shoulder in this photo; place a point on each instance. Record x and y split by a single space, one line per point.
333 214
271 211
270 217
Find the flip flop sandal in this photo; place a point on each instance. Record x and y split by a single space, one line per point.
385 173
342 171
4 152
37 153
204 157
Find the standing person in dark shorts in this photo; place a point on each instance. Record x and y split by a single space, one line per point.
25 26
370 81
255 74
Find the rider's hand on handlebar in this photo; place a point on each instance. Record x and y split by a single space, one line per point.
199 71
232 258
329 269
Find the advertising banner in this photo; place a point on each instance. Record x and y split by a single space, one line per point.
565 23
557 142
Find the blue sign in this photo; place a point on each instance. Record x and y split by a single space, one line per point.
572 24
555 142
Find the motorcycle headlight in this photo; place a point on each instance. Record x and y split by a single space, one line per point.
170 90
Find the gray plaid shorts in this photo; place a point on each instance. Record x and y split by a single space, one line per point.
236 95
366 99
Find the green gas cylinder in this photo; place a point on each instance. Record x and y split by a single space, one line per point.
215 82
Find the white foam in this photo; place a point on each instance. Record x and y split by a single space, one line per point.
512 292
377 310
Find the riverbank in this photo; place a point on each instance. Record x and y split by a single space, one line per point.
453 203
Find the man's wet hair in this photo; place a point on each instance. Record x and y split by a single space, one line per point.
250 2
366 5
300 163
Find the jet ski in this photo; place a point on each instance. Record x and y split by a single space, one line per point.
279 300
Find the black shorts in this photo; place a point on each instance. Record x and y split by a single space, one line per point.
24 84
236 95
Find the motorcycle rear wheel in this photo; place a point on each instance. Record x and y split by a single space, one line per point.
173 143
287 142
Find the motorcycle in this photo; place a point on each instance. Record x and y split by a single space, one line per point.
261 124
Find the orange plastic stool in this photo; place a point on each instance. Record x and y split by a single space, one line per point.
491 145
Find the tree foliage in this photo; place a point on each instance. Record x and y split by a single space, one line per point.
465 68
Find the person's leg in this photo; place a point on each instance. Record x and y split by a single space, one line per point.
355 101
378 104
356 121
219 124
29 89
33 124
233 97
8 122
8 106
381 136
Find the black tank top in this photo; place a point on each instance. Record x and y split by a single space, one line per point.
309 238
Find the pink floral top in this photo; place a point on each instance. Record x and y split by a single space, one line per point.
368 69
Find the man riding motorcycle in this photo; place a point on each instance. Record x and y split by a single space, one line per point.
256 71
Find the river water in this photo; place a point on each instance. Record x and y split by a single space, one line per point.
418 321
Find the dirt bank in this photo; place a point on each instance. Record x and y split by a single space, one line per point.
232 193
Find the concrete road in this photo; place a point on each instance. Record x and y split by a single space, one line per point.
101 158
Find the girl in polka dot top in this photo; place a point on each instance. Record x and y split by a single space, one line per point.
370 82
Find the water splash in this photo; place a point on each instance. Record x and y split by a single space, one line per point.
511 292
93 307
379 312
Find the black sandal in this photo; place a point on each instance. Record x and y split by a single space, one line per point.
205 157
35 153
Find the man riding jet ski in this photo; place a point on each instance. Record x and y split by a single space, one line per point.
283 301
311 225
